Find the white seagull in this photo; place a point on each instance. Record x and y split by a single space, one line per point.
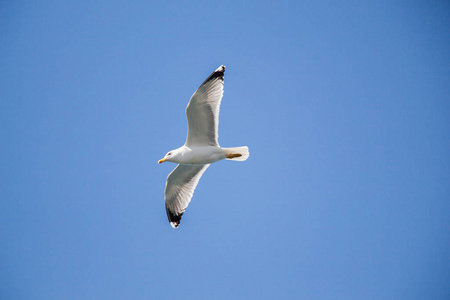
201 148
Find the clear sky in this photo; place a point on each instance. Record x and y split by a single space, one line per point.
344 105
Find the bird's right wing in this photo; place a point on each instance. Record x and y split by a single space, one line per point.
180 186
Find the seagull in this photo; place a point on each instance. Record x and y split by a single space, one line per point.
201 148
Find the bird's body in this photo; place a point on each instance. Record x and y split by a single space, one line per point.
201 155
201 148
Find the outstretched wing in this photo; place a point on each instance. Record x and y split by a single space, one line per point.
203 111
180 186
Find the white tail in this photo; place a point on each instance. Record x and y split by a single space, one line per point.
237 153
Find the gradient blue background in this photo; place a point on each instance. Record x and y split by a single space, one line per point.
344 105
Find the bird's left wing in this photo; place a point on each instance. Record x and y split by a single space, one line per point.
180 186
203 111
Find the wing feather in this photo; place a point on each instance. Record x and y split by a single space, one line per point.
180 186
203 111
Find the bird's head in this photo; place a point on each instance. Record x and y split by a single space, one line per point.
169 156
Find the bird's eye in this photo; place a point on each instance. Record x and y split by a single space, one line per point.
170 153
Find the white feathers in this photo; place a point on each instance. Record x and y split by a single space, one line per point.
201 147
203 111
180 186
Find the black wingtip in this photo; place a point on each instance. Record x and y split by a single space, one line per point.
174 219
218 73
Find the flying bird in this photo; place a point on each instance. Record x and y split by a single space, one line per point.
201 148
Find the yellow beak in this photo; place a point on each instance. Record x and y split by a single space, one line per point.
162 160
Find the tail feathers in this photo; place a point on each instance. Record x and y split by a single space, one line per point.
237 153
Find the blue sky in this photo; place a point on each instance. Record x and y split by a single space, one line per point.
345 108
